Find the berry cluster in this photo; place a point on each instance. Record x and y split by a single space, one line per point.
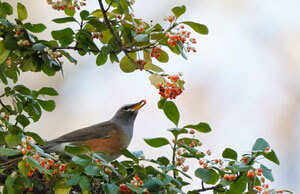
124 189
107 169
155 52
169 18
97 35
252 172
229 176
53 55
141 27
63 4
140 64
51 164
182 36
137 182
22 42
171 89
9 63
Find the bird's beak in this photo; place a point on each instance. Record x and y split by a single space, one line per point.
139 105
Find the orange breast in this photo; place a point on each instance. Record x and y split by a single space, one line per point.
110 145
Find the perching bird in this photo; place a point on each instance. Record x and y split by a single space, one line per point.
109 137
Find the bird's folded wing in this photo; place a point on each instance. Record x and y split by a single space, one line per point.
101 130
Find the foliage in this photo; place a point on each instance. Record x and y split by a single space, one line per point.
135 45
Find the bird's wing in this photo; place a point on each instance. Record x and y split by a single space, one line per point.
100 130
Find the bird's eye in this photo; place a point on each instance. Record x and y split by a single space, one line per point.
126 108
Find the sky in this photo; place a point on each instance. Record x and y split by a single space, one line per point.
243 81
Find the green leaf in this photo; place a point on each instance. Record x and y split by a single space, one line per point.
238 186
84 183
230 153
36 137
164 57
10 42
201 127
150 66
34 163
47 105
127 65
23 120
84 14
23 169
8 152
48 91
61 187
101 59
200 28
83 160
65 36
267 172
178 131
100 26
214 177
13 139
153 184
178 11
260 145
22 90
272 157
156 79
38 47
156 142
203 174
22 12
35 28
241 167
69 12
92 170
75 178
121 169
126 153
74 150
64 20
161 103
171 111
110 188
141 38
134 188
3 52
5 9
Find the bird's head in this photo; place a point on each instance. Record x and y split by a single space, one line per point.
127 113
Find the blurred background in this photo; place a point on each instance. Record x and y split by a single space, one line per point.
243 81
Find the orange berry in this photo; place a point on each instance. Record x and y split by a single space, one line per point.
30 189
201 162
5 116
232 177
245 159
204 165
267 149
27 43
192 131
266 186
216 161
27 165
226 176
30 173
260 170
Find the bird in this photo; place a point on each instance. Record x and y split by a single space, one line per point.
108 137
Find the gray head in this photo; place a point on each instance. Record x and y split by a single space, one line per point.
127 113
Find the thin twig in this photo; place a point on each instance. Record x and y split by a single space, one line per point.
108 7
5 107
